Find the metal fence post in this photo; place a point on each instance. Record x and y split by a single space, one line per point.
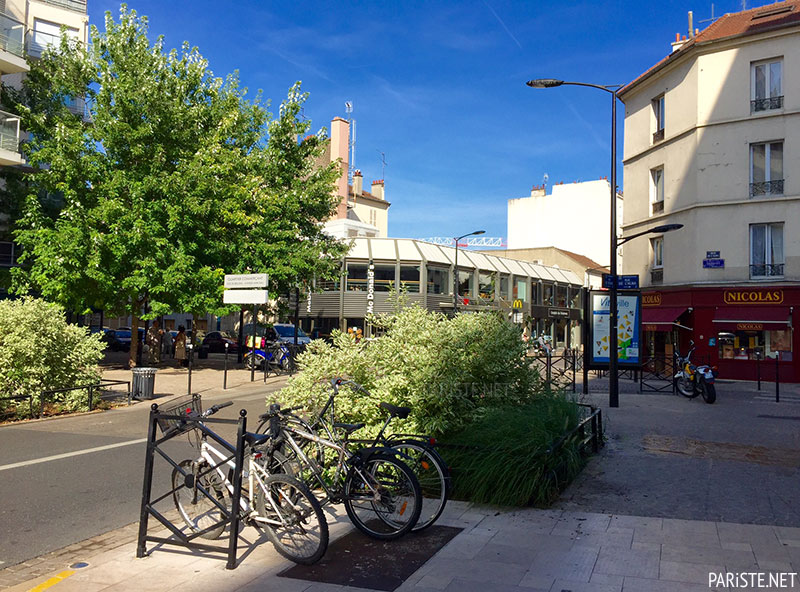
758 370
148 482
574 377
225 372
548 372
190 352
90 396
237 489
777 380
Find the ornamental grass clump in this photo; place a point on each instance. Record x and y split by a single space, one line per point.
40 351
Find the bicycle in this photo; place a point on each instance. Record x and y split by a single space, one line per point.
279 504
275 356
380 493
417 451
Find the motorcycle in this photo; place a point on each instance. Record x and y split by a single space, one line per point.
274 355
691 380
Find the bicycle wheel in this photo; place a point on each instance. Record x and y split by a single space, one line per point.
198 511
382 497
709 392
434 479
302 535
685 387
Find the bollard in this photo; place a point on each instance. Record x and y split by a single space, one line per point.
225 372
266 363
549 370
758 370
777 380
189 352
90 397
574 377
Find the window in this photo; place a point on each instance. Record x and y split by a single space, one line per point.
486 281
438 281
658 113
465 278
766 86
46 34
409 278
384 278
657 245
755 345
547 295
504 286
561 295
766 250
766 169
520 289
373 217
657 190
357 277
576 300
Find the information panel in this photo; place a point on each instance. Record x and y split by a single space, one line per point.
629 321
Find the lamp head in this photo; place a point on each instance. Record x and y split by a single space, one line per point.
544 83
666 228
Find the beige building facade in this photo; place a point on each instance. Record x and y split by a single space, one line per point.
712 137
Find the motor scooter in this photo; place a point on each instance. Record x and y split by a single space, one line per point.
691 380
275 355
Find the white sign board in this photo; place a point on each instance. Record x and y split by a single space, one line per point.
249 280
245 297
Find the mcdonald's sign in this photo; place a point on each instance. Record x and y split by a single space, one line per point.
517 304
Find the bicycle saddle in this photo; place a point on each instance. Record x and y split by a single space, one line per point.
401 412
348 428
254 439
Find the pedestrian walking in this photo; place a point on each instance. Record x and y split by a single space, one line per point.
180 345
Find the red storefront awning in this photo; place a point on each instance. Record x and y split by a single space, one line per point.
752 318
662 318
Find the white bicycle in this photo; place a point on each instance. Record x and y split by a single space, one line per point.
277 503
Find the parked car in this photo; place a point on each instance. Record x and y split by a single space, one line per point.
285 332
114 342
215 342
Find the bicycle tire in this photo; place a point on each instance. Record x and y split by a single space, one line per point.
285 459
196 509
685 387
433 476
304 536
377 494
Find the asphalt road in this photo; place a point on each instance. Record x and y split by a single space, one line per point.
56 490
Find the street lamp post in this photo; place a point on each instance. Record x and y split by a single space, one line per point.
613 356
455 269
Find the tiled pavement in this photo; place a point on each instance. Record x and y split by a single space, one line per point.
526 550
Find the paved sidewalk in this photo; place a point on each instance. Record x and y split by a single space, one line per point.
513 550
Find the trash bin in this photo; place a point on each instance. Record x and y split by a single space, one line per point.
202 353
144 382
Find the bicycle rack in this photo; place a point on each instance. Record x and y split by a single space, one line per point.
231 516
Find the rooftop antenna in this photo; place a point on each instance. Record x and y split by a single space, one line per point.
713 18
383 163
351 142
545 179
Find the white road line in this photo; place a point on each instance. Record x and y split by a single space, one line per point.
36 461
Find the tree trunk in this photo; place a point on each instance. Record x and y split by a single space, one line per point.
134 340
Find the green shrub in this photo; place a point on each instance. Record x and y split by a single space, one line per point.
39 351
448 370
501 458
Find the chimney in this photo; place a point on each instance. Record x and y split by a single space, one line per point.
377 189
538 191
358 183
678 43
691 24
340 140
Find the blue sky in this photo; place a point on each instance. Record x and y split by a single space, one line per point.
438 87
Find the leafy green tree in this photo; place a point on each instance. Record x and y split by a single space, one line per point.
171 179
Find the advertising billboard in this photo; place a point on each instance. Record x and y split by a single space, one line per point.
629 323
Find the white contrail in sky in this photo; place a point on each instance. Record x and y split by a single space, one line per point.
499 20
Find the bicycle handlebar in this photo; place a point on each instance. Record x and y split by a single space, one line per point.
214 408
279 411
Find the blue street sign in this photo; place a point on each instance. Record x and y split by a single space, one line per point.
713 263
624 282
712 254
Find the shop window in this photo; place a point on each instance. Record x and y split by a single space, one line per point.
561 296
548 291
409 278
755 345
535 289
576 298
486 280
520 289
465 281
384 278
504 286
357 277
438 281
766 250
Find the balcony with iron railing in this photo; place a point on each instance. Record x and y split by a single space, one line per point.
657 275
766 188
766 270
75 5
12 41
767 104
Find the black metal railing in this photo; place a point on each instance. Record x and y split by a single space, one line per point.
558 370
658 206
657 275
656 374
757 105
658 136
766 188
766 270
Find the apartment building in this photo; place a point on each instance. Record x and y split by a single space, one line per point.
27 27
712 133
360 213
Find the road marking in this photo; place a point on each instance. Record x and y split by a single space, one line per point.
52 581
36 461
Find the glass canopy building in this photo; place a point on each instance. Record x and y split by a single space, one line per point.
548 299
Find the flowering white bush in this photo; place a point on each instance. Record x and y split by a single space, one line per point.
448 370
39 351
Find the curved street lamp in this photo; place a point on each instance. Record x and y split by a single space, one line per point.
613 357
455 269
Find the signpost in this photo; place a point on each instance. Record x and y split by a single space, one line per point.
624 282
235 293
